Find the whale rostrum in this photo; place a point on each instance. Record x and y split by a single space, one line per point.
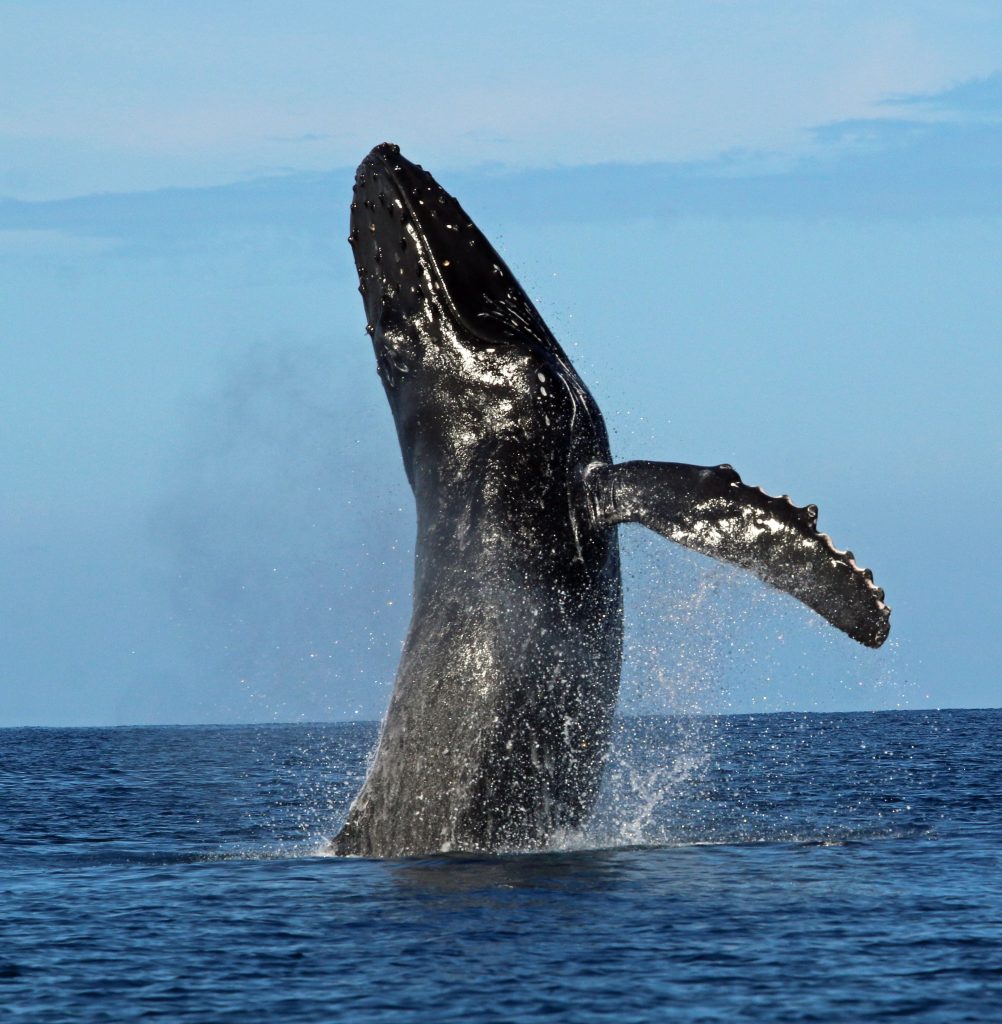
499 721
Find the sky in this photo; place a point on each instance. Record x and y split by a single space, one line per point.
766 234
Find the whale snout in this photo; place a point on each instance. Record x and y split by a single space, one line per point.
418 254
411 239
392 278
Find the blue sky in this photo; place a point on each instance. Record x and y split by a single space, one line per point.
768 234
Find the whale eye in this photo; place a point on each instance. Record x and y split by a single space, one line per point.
391 366
397 361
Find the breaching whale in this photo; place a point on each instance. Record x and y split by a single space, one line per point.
499 721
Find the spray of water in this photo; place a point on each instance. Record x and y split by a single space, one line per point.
704 641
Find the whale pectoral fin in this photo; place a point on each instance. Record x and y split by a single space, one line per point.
711 511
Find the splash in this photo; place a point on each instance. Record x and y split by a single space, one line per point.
683 769
703 644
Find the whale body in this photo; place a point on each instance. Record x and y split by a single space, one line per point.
499 722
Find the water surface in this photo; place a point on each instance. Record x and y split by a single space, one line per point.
767 868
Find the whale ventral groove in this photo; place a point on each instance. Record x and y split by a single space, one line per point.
498 725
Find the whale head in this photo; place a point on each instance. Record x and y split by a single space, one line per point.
463 353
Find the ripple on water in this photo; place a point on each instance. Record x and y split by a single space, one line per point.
791 868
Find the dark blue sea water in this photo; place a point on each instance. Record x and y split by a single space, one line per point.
768 868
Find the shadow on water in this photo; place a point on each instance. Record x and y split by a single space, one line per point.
578 871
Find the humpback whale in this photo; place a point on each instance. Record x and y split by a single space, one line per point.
499 721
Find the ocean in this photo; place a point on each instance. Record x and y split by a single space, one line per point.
781 867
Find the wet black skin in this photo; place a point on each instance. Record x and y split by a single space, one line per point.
499 721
